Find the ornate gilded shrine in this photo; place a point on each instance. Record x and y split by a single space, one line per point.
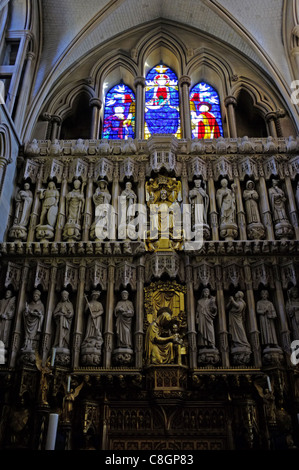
102 319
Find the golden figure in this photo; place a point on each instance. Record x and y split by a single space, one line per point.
45 371
159 349
163 197
68 402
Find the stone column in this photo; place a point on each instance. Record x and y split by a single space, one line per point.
139 84
35 207
271 119
3 165
96 105
141 198
240 211
61 219
280 308
190 304
252 321
185 83
292 204
230 103
108 334
79 316
56 123
213 207
48 328
16 336
88 212
139 343
265 207
24 91
223 333
115 194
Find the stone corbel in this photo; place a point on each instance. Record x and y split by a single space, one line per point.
13 276
96 275
222 167
293 165
197 167
128 169
104 169
78 168
31 170
232 275
272 167
203 275
67 276
261 274
53 169
247 167
125 275
160 263
42 276
288 274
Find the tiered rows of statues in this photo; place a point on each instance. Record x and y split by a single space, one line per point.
240 195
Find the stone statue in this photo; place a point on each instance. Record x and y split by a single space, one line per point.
240 347
124 312
101 199
159 348
7 312
283 228
255 228
63 314
226 200
267 313
92 343
205 315
75 202
297 195
23 204
49 212
292 309
199 201
33 319
130 199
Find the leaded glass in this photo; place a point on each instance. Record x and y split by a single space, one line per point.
162 114
206 122
119 115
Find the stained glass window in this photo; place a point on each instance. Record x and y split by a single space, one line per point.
205 110
162 114
119 114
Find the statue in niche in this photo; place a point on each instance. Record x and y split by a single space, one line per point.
206 312
49 212
283 228
255 228
297 195
130 199
267 313
92 343
33 319
7 312
199 201
205 315
159 343
226 200
240 346
101 199
23 204
292 309
75 202
63 314
124 313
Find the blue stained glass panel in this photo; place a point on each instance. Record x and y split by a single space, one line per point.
162 114
119 114
206 122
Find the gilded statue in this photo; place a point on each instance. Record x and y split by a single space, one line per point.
45 371
159 343
267 314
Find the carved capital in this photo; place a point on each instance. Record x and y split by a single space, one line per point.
139 81
230 100
185 80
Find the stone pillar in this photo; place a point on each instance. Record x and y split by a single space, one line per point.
139 84
56 123
141 199
139 343
223 333
240 211
48 328
88 212
271 120
3 165
16 336
230 103
213 208
96 105
185 83
61 219
24 91
35 207
265 208
252 321
115 194
190 301
108 334
280 308
292 205
79 316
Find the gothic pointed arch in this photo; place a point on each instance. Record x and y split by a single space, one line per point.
119 113
206 120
